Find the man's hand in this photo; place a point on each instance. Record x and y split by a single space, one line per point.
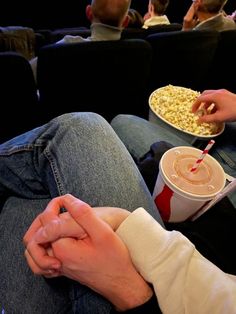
50 226
40 257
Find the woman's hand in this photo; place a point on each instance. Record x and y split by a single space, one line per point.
224 106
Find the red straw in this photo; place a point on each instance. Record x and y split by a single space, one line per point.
205 151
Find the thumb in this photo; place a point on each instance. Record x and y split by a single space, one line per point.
86 217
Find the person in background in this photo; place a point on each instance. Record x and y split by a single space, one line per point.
135 19
107 22
208 15
156 13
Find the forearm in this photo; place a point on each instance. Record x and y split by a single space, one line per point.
174 267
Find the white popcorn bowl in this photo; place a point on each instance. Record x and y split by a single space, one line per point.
156 118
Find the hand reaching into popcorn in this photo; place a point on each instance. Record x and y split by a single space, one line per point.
174 104
224 109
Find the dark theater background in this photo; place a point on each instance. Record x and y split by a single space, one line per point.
55 14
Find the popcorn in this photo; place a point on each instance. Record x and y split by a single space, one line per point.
174 104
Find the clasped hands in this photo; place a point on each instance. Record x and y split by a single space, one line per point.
81 244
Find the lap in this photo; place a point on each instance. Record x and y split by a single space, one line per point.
23 292
20 290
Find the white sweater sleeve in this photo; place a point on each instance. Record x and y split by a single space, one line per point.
184 281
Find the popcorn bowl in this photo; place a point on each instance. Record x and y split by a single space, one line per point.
170 106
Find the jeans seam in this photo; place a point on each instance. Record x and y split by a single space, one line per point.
55 172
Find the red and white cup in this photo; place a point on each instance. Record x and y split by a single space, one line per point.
176 196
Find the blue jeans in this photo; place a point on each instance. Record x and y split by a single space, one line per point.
77 153
139 134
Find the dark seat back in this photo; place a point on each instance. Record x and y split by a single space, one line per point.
18 39
224 66
107 77
58 34
19 101
182 58
143 33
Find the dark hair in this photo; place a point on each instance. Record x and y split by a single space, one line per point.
211 6
135 18
160 6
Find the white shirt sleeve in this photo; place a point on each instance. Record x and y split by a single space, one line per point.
184 281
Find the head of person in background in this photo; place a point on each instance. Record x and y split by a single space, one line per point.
208 15
156 13
107 18
135 19
109 12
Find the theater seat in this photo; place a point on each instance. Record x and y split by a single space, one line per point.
18 96
182 58
106 77
58 34
223 66
131 32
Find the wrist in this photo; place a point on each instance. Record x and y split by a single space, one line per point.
113 216
136 293
123 214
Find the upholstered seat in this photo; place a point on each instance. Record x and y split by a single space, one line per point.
18 39
107 77
223 66
58 34
182 58
143 33
19 101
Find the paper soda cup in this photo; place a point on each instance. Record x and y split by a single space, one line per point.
180 193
